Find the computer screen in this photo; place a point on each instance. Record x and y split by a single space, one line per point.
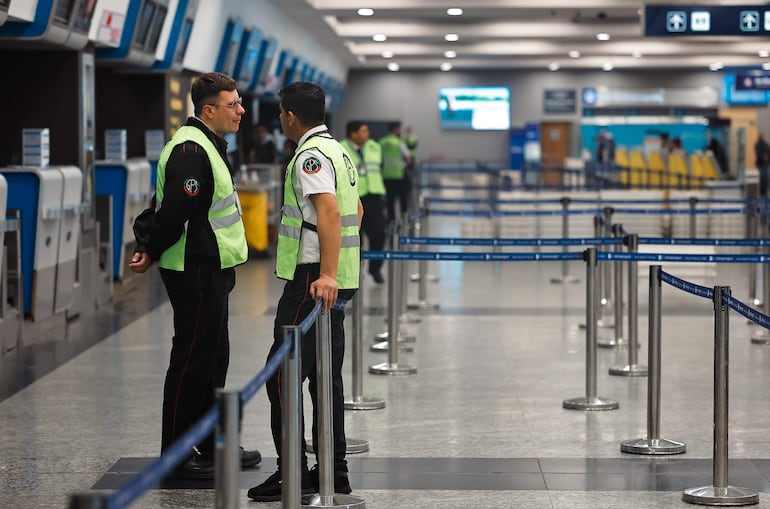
184 40
84 15
155 28
475 108
143 23
63 12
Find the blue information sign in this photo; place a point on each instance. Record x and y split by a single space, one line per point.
706 20
752 81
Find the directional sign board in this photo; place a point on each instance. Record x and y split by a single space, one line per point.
706 20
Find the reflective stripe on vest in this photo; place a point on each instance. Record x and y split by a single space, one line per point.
371 173
392 160
292 223
224 214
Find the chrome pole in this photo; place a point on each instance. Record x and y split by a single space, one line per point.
404 315
227 464
693 223
422 275
617 299
753 227
591 401
382 344
633 368
392 367
291 387
88 500
565 277
720 493
607 220
653 444
762 336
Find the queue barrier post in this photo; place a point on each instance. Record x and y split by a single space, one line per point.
422 276
405 316
720 492
617 267
591 401
762 336
291 400
693 218
357 400
392 366
633 368
394 306
88 500
565 277
653 444
323 359
227 464
607 276
753 228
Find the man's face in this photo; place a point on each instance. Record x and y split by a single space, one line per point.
224 116
361 136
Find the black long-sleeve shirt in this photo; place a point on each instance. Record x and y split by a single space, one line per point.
184 202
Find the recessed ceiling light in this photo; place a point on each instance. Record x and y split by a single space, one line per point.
766 66
380 37
445 66
451 37
387 54
454 11
361 59
603 36
393 67
574 54
716 66
637 54
450 54
764 53
365 12
606 66
553 66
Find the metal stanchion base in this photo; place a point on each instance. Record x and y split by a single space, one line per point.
353 446
416 277
402 338
336 500
761 338
387 368
612 343
757 301
423 305
711 495
590 404
364 403
409 318
629 370
564 280
382 346
653 446
602 324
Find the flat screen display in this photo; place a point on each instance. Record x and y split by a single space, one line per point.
184 39
153 36
474 108
143 24
63 11
84 15
269 48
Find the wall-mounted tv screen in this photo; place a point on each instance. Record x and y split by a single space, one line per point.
184 39
143 24
477 108
84 15
153 37
63 12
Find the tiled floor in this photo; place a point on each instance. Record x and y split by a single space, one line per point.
480 425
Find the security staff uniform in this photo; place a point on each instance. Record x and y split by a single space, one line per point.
320 165
197 237
371 189
394 173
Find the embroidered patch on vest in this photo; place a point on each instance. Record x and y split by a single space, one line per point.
311 165
192 187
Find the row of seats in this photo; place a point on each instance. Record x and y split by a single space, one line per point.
655 170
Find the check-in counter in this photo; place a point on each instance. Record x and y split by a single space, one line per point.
128 183
37 194
10 278
66 271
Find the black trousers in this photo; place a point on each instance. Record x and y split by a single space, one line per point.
373 225
295 304
397 188
200 351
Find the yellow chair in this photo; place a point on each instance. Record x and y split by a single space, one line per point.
657 170
638 168
623 165
697 169
710 167
678 175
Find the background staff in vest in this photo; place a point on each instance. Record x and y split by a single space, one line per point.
367 156
196 235
395 157
319 257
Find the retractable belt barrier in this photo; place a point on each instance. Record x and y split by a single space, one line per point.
555 256
583 212
180 450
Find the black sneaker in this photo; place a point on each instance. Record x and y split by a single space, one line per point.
341 481
250 458
196 467
270 490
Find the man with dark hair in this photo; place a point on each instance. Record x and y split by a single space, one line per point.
319 257
367 156
395 158
195 233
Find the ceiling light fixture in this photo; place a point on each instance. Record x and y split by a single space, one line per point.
637 54
393 67
380 37
606 66
574 54
366 12
716 66
764 53
766 66
454 11
450 54
387 54
553 66
445 66
451 37
603 36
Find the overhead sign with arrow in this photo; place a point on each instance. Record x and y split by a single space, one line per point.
706 20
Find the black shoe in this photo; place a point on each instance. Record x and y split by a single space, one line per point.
194 468
270 490
377 277
341 481
250 458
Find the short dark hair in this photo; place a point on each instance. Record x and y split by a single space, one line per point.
393 126
306 100
353 126
207 86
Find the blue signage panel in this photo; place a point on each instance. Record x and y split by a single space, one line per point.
752 81
710 20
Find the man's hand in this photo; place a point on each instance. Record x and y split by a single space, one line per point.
140 262
325 288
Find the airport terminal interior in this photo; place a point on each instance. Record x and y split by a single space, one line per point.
587 179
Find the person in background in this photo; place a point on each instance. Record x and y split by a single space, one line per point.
665 145
367 156
395 158
720 155
319 257
411 144
264 150
605 148
762 153
195 234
